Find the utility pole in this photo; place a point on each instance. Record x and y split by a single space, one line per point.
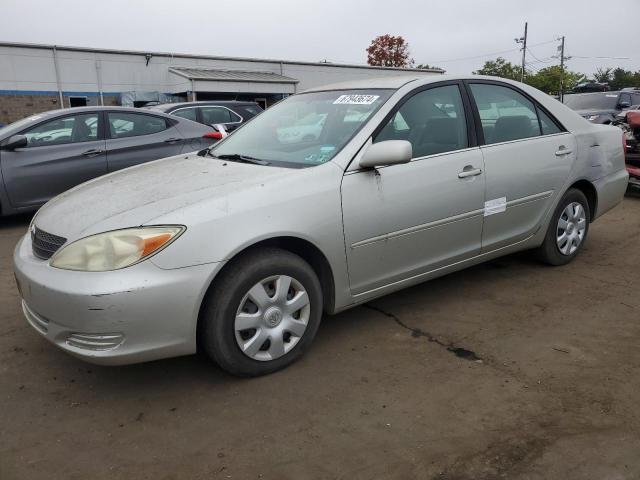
562 70
523 41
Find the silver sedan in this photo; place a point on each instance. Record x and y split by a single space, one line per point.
241 247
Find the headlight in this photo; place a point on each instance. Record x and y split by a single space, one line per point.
591 118
116 249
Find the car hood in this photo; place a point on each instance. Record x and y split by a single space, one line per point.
137 195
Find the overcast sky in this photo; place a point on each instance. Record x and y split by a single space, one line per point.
445 33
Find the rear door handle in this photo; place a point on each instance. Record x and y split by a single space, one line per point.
93 152
562 150
469 171
172 140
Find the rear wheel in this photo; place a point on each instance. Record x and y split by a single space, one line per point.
567 230
262 313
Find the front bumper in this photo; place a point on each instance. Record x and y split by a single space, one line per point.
136 314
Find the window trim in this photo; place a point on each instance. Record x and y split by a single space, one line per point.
107 130
536 106
200 107
472 140
97 113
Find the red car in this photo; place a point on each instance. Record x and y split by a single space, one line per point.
632 151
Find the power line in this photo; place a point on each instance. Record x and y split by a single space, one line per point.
606 58
490 54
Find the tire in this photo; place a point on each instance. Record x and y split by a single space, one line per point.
277 335
555 250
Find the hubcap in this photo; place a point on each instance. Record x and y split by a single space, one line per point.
571 227
272 317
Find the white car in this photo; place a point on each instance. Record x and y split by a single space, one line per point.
242 247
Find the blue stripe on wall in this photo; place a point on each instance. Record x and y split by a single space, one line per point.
54 92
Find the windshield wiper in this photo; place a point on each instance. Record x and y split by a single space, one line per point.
236 157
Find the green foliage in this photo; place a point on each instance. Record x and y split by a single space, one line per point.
426 66
621 78
500 68
603 75
548 79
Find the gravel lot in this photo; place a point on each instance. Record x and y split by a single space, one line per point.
544 385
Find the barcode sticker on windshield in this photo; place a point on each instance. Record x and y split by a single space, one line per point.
356 99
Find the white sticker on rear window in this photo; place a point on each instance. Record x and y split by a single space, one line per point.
611 96
356 99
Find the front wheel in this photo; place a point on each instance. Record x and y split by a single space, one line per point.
262 312
567 230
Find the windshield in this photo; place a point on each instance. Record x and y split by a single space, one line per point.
304 130
592 101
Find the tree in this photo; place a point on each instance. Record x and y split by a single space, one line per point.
426 66
621 78
389 51
603 75
500 68
548 79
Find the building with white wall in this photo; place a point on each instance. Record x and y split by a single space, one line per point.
35 78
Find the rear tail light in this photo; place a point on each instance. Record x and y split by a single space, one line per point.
213 135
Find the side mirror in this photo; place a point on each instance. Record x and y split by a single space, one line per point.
16 141
389 152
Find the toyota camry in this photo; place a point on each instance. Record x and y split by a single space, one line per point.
238 249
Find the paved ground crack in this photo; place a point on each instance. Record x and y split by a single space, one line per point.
419 333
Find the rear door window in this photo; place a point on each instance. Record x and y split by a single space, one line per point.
213 115
122 125
71 129
188 113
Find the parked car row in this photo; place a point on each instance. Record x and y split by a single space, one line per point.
602 107
619 108
46 154
231 114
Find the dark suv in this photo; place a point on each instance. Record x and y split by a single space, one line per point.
602 107
229 113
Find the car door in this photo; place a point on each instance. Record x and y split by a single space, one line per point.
60 153
214 114
134 138
527 157
402 221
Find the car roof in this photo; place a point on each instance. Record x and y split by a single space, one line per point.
398 81
65 111
166 106
23 123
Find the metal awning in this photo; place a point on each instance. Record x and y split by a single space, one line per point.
214 80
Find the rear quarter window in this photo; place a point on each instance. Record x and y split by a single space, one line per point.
122 125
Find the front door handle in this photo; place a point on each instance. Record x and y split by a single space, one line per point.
469 171
562 150
93 152
172 140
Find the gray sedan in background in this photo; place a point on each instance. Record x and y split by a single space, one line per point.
46 154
